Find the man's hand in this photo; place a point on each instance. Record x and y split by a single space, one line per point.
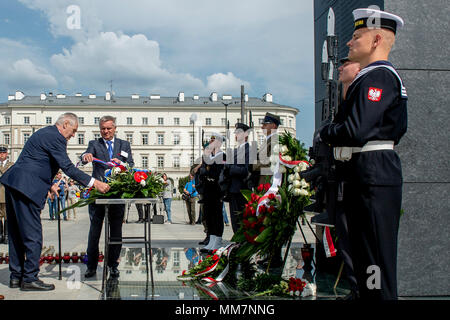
54 189
116 160
88 157
101 186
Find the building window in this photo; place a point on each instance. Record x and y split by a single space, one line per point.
208 121
176 161
282 122
129 120
290 123
144 162
224 121
96 136
160 138
176 259
96 120
160 163
145 120
176 121
145 138
81 120
130 138
81 138
7 120
26 136
176 139
6 138
26 120
160 121
48 120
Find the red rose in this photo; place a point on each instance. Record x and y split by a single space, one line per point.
139 176
272 196
184 271
267 186
260 188
215 250
215 257
253 211
262 209
200 261
261 229
254 197
271 209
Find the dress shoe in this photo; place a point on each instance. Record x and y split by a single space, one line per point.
37 285
15 283
114 272
90 273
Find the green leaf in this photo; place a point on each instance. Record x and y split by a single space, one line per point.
247 194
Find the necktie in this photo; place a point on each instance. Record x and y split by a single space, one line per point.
110 150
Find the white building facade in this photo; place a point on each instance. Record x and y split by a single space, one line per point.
160 129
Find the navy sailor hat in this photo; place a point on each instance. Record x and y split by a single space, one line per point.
372 18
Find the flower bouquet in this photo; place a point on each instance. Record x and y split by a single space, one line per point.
270 215
125 183
213 268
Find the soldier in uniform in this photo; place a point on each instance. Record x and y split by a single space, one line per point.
238 172
4 165
373 120
270 127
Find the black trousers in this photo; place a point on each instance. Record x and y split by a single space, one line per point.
373 214
25 235
97 215
237 204
212 208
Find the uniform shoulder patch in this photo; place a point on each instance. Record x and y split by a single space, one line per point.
374 94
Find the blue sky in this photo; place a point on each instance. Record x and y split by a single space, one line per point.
155 46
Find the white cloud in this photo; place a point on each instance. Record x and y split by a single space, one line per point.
225 83
25 73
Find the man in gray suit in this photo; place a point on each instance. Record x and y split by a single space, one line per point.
106 148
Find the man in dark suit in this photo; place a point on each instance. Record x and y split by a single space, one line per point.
5 164
238 172
26 185
106 148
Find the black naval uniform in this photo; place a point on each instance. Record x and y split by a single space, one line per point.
209 174
375 110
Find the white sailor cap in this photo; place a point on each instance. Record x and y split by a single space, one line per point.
373 18
217 136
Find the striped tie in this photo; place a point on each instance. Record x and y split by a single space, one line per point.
110 150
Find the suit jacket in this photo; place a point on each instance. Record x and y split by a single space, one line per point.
239 170
2 171
99 150
42 156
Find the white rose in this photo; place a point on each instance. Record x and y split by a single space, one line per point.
304 192
297 176
143 183
304 183
296 192
290 187
287 158
303 166
284 149
117 170
291 178
296 184
297 168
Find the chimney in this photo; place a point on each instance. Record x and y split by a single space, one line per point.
196 97
11 97
60 96
43 96
268 97
134 96
78 94
227 97
213 96
155 97
92 96
108 96
246 97
181 97
19 95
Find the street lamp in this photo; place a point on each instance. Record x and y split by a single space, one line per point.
192 119
227 124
